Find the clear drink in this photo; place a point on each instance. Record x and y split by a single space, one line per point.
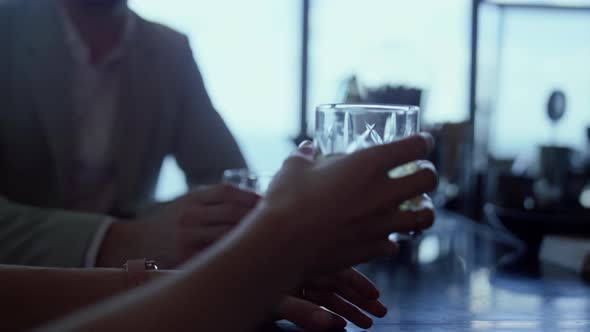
346 128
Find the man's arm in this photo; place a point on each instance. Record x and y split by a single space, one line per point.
204 146
56 238
44 237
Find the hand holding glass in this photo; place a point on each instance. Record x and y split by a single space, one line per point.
346 128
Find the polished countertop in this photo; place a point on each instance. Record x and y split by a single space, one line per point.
464 276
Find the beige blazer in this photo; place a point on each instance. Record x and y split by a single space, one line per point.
164 110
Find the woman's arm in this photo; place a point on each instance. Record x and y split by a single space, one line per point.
230 287
315 218
33 296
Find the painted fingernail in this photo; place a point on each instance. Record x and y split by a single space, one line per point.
306 144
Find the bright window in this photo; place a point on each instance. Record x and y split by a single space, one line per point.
417 43
249 55
540 51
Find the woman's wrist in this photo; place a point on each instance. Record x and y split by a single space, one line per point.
282 225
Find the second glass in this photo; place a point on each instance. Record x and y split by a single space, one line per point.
247 180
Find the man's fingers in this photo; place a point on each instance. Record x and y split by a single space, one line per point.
308 315
194 240
222 193
341 307
225 213
199 237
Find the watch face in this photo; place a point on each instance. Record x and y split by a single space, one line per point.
151 265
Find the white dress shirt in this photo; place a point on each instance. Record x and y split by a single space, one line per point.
95 99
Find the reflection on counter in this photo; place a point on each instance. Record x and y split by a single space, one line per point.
465 276
469 276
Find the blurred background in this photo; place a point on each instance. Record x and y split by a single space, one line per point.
503 85
422 44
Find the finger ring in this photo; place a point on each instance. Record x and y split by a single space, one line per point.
303 292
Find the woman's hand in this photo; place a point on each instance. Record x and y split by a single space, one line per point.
340 211
344 294
316 218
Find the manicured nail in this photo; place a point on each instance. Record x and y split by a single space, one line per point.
306 144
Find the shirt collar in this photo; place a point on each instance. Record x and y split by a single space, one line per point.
80 50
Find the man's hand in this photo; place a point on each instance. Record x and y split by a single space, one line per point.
179 229
344 293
